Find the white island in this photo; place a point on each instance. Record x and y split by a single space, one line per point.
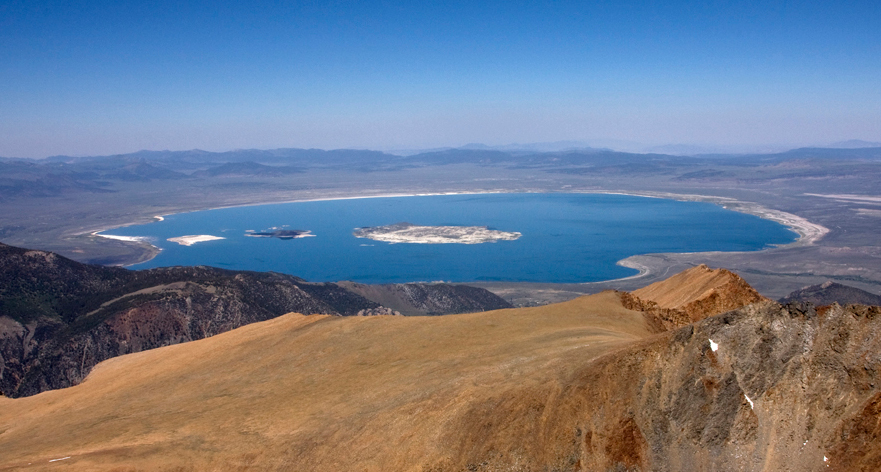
414 234
193 239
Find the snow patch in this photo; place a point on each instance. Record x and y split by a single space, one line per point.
714 346
751 405
62 459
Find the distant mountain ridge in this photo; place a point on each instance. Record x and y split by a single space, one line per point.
830 292
60 175
855 144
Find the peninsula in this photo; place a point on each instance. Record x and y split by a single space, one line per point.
414 234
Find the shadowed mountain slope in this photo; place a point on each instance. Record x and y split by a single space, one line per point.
429 299
830 292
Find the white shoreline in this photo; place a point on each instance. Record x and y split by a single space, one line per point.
630 264
131 239
808 233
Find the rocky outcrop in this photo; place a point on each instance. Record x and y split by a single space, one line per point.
414 299
690 296
765 387
830 292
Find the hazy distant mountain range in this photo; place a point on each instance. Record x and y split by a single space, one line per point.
605 145
854 144
677 149
63 174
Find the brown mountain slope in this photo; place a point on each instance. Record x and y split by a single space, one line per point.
581 385
692 295
309 392
575 386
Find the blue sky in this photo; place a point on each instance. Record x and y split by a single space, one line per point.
108 77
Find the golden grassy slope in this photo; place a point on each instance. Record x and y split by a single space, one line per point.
311 392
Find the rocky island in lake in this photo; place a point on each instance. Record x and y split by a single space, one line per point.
414 234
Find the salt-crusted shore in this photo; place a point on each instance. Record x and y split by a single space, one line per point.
808 233
131 239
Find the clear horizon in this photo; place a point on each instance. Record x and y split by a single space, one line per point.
102 78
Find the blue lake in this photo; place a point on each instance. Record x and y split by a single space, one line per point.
565 237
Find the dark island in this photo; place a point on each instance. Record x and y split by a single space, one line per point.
281 234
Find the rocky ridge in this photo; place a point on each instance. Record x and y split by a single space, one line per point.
690 296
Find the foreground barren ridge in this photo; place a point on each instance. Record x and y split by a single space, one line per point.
582 385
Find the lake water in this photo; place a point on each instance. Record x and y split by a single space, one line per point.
565 237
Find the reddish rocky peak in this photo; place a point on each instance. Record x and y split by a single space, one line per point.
692 295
